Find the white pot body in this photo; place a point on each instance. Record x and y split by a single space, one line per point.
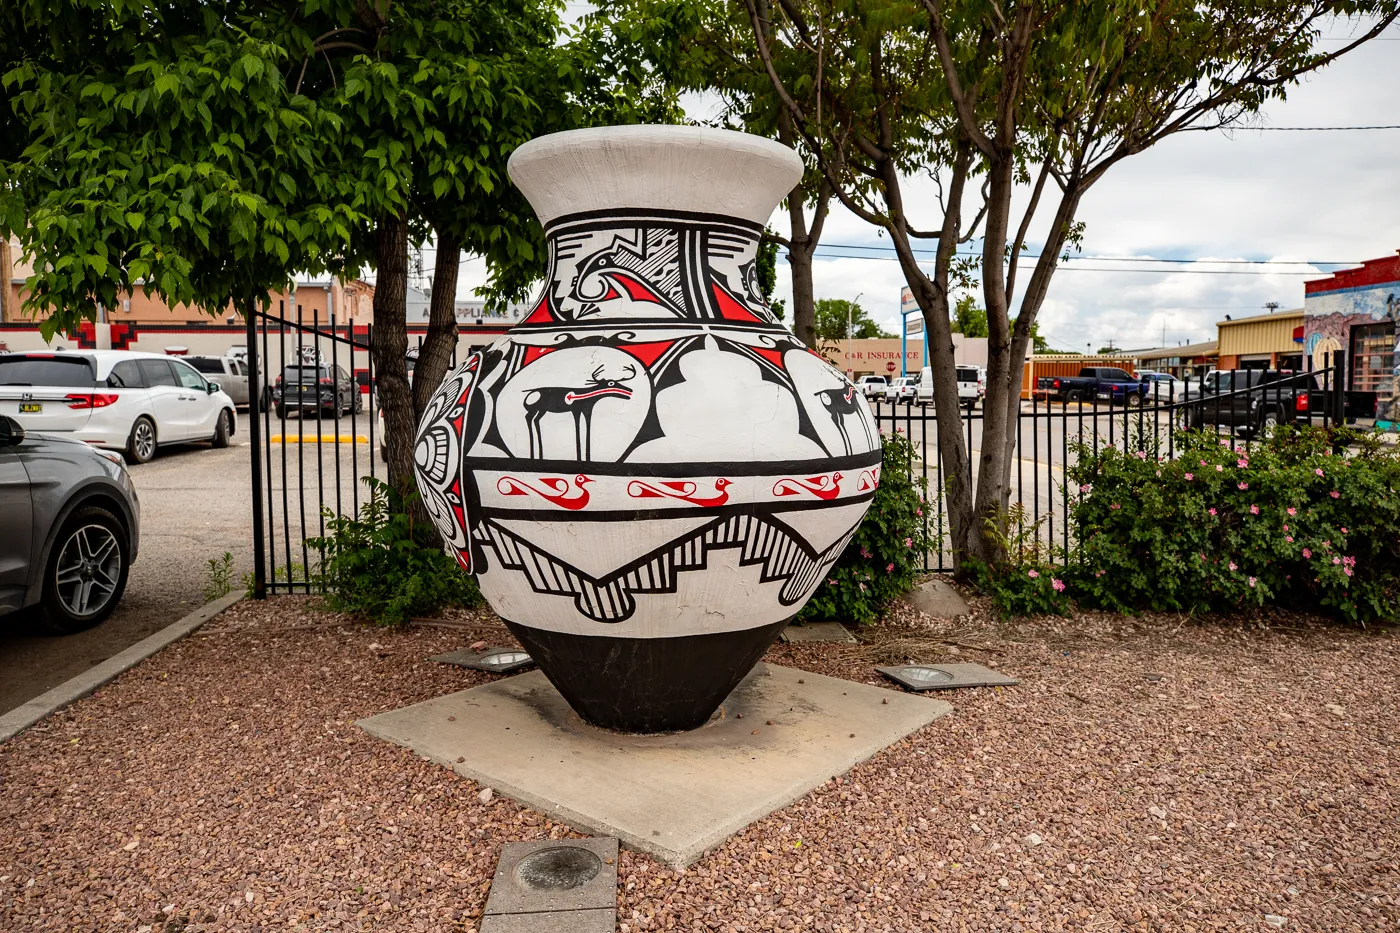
649 475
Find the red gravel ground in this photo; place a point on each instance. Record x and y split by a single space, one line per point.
1153 774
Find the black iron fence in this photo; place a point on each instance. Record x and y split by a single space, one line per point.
1238 406
314 434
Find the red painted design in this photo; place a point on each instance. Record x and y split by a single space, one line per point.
635 289
684 490
619 391
730 309
869 479
534 353
826 486
555 489
648 353
541 314
773 356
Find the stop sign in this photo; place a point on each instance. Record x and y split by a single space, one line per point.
891 367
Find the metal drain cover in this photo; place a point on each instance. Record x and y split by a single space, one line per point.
559 868
492 660
920 677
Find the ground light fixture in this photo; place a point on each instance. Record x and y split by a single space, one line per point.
490 660
921 677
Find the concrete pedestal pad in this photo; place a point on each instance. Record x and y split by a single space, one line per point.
670 796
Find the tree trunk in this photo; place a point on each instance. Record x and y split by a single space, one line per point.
804 305
435 355
391 349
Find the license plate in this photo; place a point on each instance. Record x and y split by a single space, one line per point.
1105 395
30 408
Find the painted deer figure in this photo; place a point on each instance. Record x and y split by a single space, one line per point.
578 402
840 403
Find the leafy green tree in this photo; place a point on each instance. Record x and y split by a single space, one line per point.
969 318
212 151
1043 93
767 271
837 317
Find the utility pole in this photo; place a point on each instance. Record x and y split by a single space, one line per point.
850 329
1272 306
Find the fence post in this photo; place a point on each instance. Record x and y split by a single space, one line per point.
1339 384
255 448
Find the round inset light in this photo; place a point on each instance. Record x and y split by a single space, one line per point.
928 675
505 658
558 868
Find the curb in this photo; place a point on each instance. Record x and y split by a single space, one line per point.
22 717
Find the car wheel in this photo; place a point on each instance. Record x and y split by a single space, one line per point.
86 573
1133 400
141 443
1267 423
280 411
359 404
221 430
1073 395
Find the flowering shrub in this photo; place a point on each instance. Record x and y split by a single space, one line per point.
1291 522
1029 583
886 554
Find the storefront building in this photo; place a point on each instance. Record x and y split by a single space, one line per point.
1354 312
1262 341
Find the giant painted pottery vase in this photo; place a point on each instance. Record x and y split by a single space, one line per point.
648 474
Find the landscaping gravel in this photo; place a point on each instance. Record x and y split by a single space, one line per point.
1149 774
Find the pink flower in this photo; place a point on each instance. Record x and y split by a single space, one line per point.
1318 471
1307 553
1098 573
1211 511
865 553
1203 463
1288 538
1285 527
897 431
1242 485
1059 585
1251 581
1335 495
862 587
1344 531
1115 506
1085 488
1292 511
1232 566
919 512
1336 560
1141 455
1346 570
831 580
1241 463
889 568
1189 477
908 542
1033 574
1254 510
1219 468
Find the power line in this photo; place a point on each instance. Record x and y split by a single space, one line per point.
1310 129
1068 268
1249 262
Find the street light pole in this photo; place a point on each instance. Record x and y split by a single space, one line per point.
850 328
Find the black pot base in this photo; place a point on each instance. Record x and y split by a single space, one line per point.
646 684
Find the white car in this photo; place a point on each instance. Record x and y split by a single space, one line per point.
901 389
972 386
872 386
117 399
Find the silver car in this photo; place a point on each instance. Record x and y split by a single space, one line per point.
69 527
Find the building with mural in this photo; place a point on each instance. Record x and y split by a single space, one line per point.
1354 312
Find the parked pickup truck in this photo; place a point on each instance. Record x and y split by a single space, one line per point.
1091 381
1253 401
227 373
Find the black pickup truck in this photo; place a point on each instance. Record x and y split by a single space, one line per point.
1252 401
1087 385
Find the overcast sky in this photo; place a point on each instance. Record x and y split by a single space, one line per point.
1316 196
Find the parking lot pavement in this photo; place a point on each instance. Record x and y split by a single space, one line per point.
195 506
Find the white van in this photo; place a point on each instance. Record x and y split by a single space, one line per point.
972 385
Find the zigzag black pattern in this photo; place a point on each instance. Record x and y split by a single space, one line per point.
764 540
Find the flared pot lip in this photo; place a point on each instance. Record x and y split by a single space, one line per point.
686 170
